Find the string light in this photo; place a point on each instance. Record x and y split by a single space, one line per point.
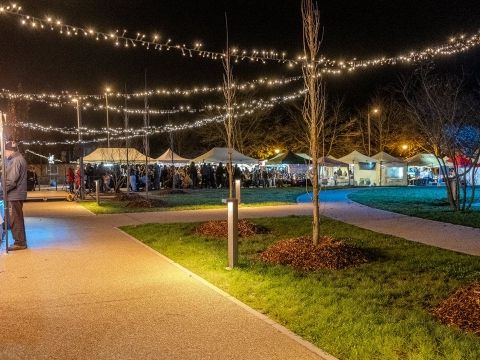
121 39
123 134
143 111
195 90
455 45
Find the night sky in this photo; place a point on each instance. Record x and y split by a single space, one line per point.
44 61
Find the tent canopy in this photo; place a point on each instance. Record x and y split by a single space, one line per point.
220 155
289 158
169 156
115 155
356 157
388 159
428 160
331 162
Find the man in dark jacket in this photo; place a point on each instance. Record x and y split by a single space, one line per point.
15 184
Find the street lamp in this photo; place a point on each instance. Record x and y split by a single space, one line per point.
107 90
405 148
374 111
82 150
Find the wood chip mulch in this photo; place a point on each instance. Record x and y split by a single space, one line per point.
301 254
136 201
461 309
144 203
219 229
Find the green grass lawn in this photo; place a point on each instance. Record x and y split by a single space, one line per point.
377 311
203 199
425 202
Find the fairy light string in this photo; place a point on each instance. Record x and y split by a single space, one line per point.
67 96
151 111
122 39
122 134
455 45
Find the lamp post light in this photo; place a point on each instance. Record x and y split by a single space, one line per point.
374 111
107 90
405 150
82 150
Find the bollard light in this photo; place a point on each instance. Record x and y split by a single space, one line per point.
238 190
232 206
97 191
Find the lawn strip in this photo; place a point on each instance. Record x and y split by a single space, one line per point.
380 310
423 202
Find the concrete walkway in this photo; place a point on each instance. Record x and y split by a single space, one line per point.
335 204
85 290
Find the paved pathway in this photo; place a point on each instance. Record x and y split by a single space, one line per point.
335 204
85 290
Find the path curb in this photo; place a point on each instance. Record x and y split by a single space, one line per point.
282 329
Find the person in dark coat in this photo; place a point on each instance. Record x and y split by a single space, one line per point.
220 174
193 174
14 183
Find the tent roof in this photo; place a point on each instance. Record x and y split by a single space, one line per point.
289 158
387 158
220 155
423 160
356 157
169 154
329 161
114 155
305 156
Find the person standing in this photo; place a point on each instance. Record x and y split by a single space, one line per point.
14 182
70 179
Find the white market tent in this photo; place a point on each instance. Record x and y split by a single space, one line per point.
170 156
220 155
116 155
392 170
363 168
424 169
427 160
331 173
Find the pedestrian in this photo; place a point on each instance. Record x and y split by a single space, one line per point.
70 179
15 184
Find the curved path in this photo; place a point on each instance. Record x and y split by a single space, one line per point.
337 205
85 290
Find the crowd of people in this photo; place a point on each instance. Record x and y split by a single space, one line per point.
192 176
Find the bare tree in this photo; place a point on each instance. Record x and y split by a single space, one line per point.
229 120
248 133
386 124
314 105
443 117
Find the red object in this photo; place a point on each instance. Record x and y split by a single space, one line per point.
70 176
462 161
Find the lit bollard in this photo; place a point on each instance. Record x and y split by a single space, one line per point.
237 190
97 191
232 205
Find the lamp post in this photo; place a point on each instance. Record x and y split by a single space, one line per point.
107 90
405 148
374 111
82 150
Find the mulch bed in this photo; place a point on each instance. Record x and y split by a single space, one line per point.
461 309
301 254
220 229
171 191
136 201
